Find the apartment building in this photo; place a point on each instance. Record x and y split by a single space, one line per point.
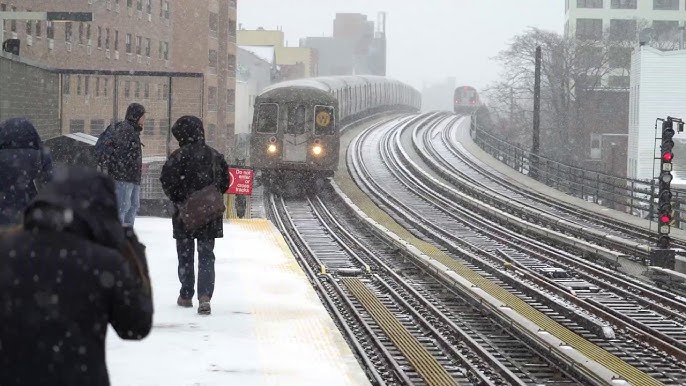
292 62
152 46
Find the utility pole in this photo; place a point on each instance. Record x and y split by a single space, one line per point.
537 115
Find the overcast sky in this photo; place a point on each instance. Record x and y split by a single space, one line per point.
428 39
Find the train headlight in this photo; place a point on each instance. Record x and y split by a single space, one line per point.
317 149
271 148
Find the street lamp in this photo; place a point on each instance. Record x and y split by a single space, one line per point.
49 16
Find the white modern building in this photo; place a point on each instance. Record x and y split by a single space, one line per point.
658 90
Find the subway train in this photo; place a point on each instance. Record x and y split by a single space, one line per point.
466 100
296 124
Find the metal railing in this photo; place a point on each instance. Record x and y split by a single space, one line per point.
636 197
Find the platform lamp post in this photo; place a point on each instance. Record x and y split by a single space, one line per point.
12 45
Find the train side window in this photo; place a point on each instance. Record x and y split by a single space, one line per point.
324 120
267 118
296 120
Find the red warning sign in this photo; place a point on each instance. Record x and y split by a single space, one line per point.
240 181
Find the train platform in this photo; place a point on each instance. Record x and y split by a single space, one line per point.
268 326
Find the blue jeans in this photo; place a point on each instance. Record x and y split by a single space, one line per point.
128 201
186 249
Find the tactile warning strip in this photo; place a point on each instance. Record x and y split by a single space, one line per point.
424 363
592 351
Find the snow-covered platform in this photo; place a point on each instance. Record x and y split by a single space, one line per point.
267 327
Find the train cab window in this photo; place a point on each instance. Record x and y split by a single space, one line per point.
267 118
296 120
324 120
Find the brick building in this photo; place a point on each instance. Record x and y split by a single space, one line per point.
158 41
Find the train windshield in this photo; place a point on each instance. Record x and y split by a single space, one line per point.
296 120
324 120
267 118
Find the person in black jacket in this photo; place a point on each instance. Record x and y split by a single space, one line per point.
190 168
24 163
124 161
68 273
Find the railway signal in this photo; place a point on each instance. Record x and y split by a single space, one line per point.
663 256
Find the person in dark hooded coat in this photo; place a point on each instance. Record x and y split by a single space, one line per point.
124 161
190 168
24 164
68 273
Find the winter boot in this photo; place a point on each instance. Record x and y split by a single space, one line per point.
204 307
187 303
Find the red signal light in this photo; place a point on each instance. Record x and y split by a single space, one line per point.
667 157
665 219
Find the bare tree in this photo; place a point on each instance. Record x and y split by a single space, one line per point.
572 69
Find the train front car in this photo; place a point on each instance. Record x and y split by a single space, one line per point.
295 132
466 100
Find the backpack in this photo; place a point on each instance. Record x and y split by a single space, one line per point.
104 147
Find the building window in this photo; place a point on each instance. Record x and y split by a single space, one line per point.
148 6
214 24
129 3
230 96
164 125
149 128
116 40
97 127
66 84
159 52
668 5
88 33
666 30
39 28
166 10
623 4
86 82
622 29
128 43
589 3
213 59
620 57
146 90
13 23
107 38
231 65
165 91
77 125
50 30
78 84
618 81
148 43
104 87
127 89
212 99
97 86
139 5
99 37
232 28
29 27
80 33
166 51
139 45
589 28
67 31
137 90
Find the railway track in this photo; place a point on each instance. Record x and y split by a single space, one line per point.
380 168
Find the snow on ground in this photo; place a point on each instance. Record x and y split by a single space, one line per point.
267 327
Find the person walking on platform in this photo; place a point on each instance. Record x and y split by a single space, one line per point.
120 155
24 164
70 270
194 178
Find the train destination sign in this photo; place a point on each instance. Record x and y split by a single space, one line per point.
240 181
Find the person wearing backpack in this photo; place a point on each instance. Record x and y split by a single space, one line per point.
195 173
120 155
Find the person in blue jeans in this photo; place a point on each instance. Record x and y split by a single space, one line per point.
124 161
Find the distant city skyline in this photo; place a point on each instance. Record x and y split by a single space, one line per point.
427 43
